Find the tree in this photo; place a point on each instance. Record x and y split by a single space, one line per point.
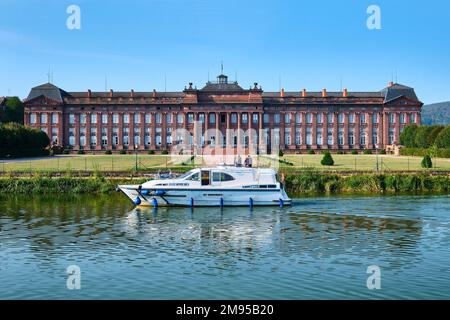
13 111
426 162
408 136
433 134
422 138
443 138
327 159
17 140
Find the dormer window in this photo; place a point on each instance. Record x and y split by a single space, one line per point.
222 79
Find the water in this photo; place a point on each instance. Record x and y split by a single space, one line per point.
319 248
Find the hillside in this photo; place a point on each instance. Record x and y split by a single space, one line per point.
436 113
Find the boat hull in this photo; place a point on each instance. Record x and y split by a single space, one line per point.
206 197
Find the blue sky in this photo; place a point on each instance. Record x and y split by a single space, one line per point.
302 44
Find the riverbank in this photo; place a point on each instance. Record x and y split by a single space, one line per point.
307 182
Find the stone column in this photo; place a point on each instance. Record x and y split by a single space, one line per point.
110 130
153 131
250 137
303 131
142 131
357 128
99 131
336 131
218 140
282 127
314 131
262 143
120 135
239 135
131 134
228 134
292 128
369 129
385 125
77 130
163 131
346 146
324 131
397 128
61 127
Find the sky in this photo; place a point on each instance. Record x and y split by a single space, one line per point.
165 44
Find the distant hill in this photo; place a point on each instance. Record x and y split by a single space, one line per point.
436 113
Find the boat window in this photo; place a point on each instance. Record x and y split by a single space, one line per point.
187 174
194 177
221 176
205 178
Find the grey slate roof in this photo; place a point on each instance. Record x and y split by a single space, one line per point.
47 90
396 91
210 86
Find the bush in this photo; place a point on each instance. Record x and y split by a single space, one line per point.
419 152
382 151
66 151
122 152
151 151
340 152
165 152
426 162
426 135
80 152
17 140
367 151
327 159
311 152
354 152
443 138
108 152
280 153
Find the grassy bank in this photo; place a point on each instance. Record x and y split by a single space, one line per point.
296 184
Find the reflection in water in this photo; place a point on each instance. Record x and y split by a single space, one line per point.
318 248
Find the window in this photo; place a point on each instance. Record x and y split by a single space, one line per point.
319 137
374 118
221 176
82 137
287 118
43 118
126 136
287 136
180 118
298 139
137 118
201 117
351 118
319 118
276 118
194 177
126 118
266 118
104 136
104 118
147 138
330 118
308 136
115 118
362 118
374 136
169 135
158 138
115 136
82 118
244 118
308 118
33 118
341 118
391 118
391 136
71 137
402 118
362 138
148 118
255 118
233 118
93 118
330 136
298 118
412 118
55 118
55 135
340 138
190 118
158 118
351 138
212 118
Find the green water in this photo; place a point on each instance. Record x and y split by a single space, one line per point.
319 248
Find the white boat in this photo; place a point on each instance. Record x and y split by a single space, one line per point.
218 186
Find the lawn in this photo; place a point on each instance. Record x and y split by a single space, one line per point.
128 162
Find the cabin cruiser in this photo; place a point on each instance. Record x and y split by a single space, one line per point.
218 186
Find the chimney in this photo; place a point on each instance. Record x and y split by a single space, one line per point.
132 94
154 93
324 93
282 93
89 93
304 93
390 84
345 93
111 93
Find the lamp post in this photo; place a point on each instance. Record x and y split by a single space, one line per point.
136 158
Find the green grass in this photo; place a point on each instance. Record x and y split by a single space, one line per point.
93 163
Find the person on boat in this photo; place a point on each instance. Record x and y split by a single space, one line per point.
238 162
248 162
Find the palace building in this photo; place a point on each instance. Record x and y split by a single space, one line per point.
298 121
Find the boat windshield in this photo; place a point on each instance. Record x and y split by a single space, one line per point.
185 175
